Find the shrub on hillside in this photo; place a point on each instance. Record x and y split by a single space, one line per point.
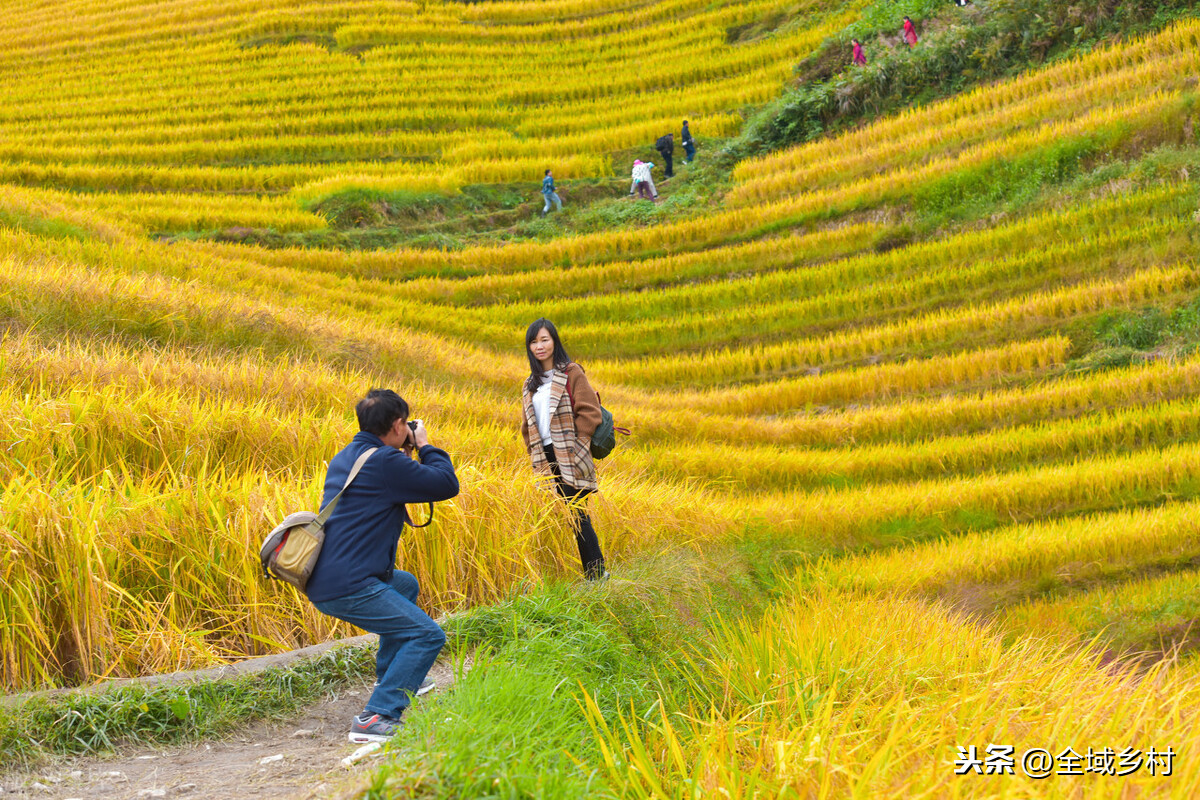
960 47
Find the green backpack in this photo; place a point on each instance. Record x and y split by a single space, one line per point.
604 439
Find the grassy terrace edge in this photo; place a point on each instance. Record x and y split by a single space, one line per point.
84 721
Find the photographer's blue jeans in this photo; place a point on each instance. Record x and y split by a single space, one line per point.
409 641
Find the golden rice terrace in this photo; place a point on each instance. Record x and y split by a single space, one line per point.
941 361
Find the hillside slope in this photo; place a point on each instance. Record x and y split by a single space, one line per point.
926 384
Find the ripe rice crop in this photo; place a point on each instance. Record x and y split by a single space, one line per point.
1075 550
680 318
924 683
884 381
1005 318
770 466
1156 110
879 514
894 420
120 598
411 92
915 421
1134 619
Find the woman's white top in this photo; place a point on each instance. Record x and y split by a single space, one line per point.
541 406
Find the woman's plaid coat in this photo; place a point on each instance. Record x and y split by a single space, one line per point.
571 427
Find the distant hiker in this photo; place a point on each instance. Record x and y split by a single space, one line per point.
643 184
910 32
561 412
666 148
550 193
860 58
689 144
355 579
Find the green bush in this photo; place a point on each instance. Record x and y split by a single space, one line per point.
1185 321
959 48
1141 330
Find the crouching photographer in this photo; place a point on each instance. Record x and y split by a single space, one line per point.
355 579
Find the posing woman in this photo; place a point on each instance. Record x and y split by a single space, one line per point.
561 414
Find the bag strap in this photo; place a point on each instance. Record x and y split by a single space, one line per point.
427 522
616 428
571 396
327 511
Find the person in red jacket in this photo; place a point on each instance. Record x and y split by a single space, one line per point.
859 57
910 32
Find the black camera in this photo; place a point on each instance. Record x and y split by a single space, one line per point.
412 424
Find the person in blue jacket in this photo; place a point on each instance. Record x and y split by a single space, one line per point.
689 144
550 193
355 579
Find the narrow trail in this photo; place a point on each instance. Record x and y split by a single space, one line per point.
300 757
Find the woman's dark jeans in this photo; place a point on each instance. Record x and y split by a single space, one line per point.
585 534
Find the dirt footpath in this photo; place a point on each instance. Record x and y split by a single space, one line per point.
298 758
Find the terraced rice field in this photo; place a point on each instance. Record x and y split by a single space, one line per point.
985 521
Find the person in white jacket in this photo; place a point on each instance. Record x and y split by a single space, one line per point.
643 184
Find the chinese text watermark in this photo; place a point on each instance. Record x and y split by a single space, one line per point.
1038 762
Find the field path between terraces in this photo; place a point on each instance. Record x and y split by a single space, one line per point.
312 744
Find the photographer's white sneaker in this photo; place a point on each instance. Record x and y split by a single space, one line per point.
427 686
368 727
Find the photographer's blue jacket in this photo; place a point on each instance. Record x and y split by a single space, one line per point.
363 531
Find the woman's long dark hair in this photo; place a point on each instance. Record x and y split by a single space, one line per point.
561 359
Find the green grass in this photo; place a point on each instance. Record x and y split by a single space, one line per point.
46 227
365 219
1146 615
507 727
1120 338
515 724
